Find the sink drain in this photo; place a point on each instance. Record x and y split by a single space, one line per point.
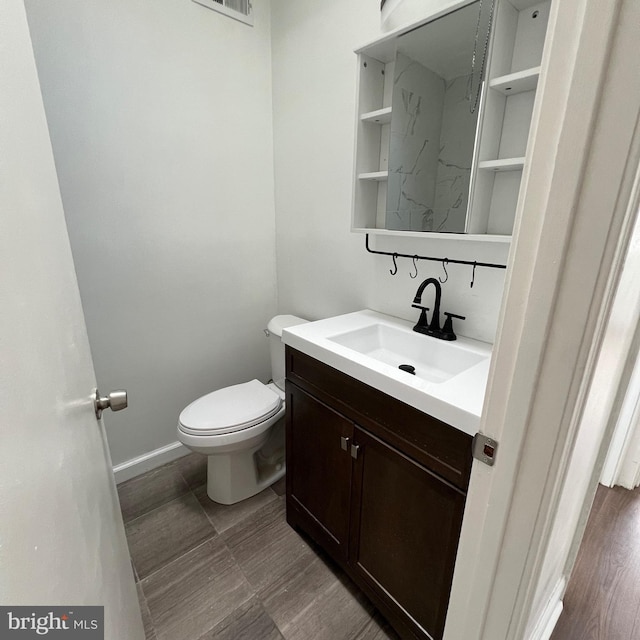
409 368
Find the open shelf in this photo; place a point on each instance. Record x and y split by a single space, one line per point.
379 116
467 237
517 82
377 176
505 164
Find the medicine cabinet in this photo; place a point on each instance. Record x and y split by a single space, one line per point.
482 194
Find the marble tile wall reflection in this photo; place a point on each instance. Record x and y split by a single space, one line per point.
457 139
431 150
417 104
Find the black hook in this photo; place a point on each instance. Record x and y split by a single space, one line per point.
444 266
395 266
473 275
415 266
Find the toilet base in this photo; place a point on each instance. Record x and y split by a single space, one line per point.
232 478
238 475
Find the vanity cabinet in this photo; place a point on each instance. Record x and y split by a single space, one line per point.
320 477
380 486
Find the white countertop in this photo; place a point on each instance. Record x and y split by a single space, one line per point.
457 401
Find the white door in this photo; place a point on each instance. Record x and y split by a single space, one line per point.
62 539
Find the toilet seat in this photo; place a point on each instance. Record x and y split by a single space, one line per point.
231 409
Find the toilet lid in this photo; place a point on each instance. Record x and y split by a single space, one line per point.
230 409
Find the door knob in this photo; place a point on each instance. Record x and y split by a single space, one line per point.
116 401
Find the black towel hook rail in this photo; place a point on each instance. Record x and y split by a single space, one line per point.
395 255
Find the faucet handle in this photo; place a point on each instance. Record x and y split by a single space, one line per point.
422 325
447 330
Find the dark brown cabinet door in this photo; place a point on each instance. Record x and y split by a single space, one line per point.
319 470
404 534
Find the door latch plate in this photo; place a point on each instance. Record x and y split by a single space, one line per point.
484 449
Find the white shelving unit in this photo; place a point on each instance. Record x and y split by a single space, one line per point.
373 124
513 70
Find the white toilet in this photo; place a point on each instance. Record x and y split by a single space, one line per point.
241 428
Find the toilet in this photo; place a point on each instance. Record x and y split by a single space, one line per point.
241 428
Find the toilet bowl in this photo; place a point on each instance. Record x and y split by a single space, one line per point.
240 429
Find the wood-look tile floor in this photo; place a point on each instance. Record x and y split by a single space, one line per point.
206 571
603 596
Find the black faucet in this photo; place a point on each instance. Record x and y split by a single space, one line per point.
433 328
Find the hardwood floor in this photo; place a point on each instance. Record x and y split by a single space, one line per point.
603 597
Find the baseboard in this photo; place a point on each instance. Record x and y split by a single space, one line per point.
147 461
549 617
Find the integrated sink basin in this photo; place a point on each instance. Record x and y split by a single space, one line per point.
434 360
449 380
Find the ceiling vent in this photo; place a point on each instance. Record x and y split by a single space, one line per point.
237 9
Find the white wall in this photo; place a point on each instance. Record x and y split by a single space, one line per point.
161 121
623 456
612 375
160 118
397 13
323 269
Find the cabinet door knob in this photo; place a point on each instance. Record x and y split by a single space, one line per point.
344 443
355 449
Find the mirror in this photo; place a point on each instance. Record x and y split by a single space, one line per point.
433 129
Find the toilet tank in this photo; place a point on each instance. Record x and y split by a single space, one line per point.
274 331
